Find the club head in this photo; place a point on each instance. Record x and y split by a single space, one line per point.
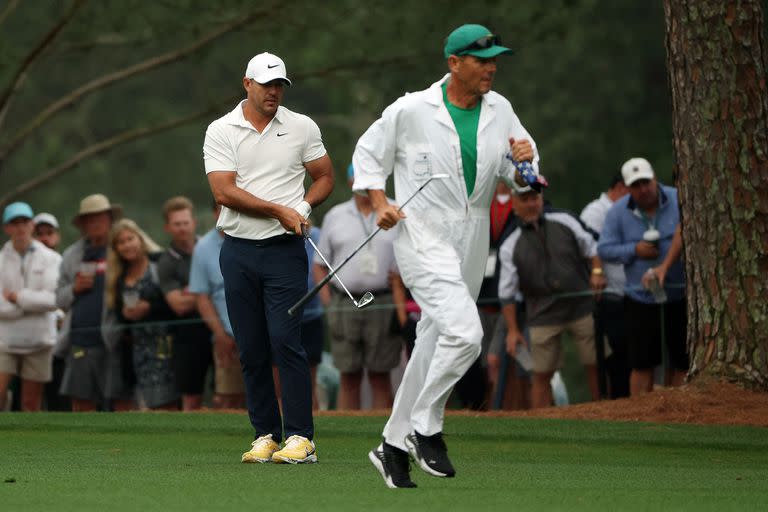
364 300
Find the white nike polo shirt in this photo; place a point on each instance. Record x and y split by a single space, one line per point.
269 165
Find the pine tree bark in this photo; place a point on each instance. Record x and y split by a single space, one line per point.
717 75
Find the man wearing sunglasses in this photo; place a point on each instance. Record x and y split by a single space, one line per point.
460 131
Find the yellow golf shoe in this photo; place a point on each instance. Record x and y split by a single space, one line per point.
261 450
297 450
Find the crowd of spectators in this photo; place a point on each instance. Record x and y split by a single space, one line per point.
117 323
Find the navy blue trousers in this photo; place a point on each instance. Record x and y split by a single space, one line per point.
262 279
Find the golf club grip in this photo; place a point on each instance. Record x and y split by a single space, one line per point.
310 294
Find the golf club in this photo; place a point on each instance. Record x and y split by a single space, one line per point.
367 297
311 293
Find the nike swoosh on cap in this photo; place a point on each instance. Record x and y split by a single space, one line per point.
273 66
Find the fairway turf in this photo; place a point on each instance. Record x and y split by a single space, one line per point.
173 461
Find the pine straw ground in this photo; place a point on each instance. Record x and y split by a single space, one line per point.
703 402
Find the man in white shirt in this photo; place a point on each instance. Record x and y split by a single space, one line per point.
256 158
593 216
609 318
29 272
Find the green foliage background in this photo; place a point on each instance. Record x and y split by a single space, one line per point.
588 80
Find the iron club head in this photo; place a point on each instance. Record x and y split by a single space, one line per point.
366 299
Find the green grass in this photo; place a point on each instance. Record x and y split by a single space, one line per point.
166 462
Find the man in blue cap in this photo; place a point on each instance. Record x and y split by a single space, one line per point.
29 272
468 136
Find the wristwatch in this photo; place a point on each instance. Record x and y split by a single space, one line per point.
598 271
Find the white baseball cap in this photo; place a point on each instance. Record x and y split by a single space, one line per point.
636 169
266 67
46 218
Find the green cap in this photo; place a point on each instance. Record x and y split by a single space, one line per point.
474 40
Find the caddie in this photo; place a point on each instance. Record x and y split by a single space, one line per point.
460 128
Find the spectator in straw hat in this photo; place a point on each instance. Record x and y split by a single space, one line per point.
28 275
95 373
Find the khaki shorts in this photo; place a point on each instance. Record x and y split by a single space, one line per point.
36 366
229 381
362 338
547 346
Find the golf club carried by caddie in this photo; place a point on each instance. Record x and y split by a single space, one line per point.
332 272
367 297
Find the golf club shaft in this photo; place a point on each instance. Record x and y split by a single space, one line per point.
330 268
311 293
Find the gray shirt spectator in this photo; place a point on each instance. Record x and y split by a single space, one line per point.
344 227
360 339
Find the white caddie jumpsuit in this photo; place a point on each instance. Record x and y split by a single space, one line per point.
442 246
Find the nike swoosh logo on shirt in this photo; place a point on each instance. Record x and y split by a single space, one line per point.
273 66
281 134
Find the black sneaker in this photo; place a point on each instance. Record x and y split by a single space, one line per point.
430 453
393 465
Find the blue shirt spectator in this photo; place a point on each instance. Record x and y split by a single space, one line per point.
205 274
624 227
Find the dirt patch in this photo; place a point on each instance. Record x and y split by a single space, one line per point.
703 402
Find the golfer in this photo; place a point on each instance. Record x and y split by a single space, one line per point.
256 158
461 128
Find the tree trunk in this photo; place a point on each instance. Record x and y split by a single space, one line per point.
716 61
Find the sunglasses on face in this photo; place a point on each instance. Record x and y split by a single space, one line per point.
480 44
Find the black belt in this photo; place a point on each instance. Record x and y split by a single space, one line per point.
266 242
